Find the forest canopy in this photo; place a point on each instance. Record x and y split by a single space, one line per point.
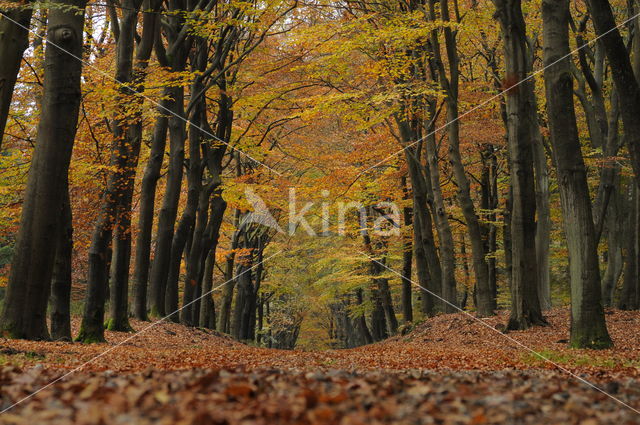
320 173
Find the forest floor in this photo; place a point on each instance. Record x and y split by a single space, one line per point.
449 370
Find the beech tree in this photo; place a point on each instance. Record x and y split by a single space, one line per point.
424 110
521 132
25 307
14 40
588 327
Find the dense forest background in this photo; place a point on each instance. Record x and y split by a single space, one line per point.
464 154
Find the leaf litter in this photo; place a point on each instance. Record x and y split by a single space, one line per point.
448 370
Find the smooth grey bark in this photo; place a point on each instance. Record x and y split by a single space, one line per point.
60 302
407 260
218 207
441 219
380 290
195 215
169 211
449 84
602 126
361 322
377 319
180 245
120 263
125 146
145 216
246 285
521 120
25 306
629 293
615 229
588 327
543 223
624 79
428 266
224 320
176 59
14 40
207 308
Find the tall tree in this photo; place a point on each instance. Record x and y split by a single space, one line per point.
629 292
588 327
624 79
407 259
125 147
448 78
521 119
24 312
120 264
175 57
14 40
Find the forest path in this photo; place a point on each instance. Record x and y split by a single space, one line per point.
450 369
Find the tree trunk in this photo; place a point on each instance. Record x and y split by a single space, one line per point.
14 40
244 294
145 216
60 303
543 224
449 84
441 219
119 306
197 218
218 207
227 296
25 306
169 210
174 107
615 229
428 266
626 84
179 246
119 281
361 322
116 202
521 120
629 293
588 327
207 313
378 325
407 260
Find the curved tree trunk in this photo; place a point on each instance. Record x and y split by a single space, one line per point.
25 307
443 228
224 319
484 299
588 327
521 122
14 40
145 216
169 210
622 73
207 313
207 317
126 145
428 266
119 306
